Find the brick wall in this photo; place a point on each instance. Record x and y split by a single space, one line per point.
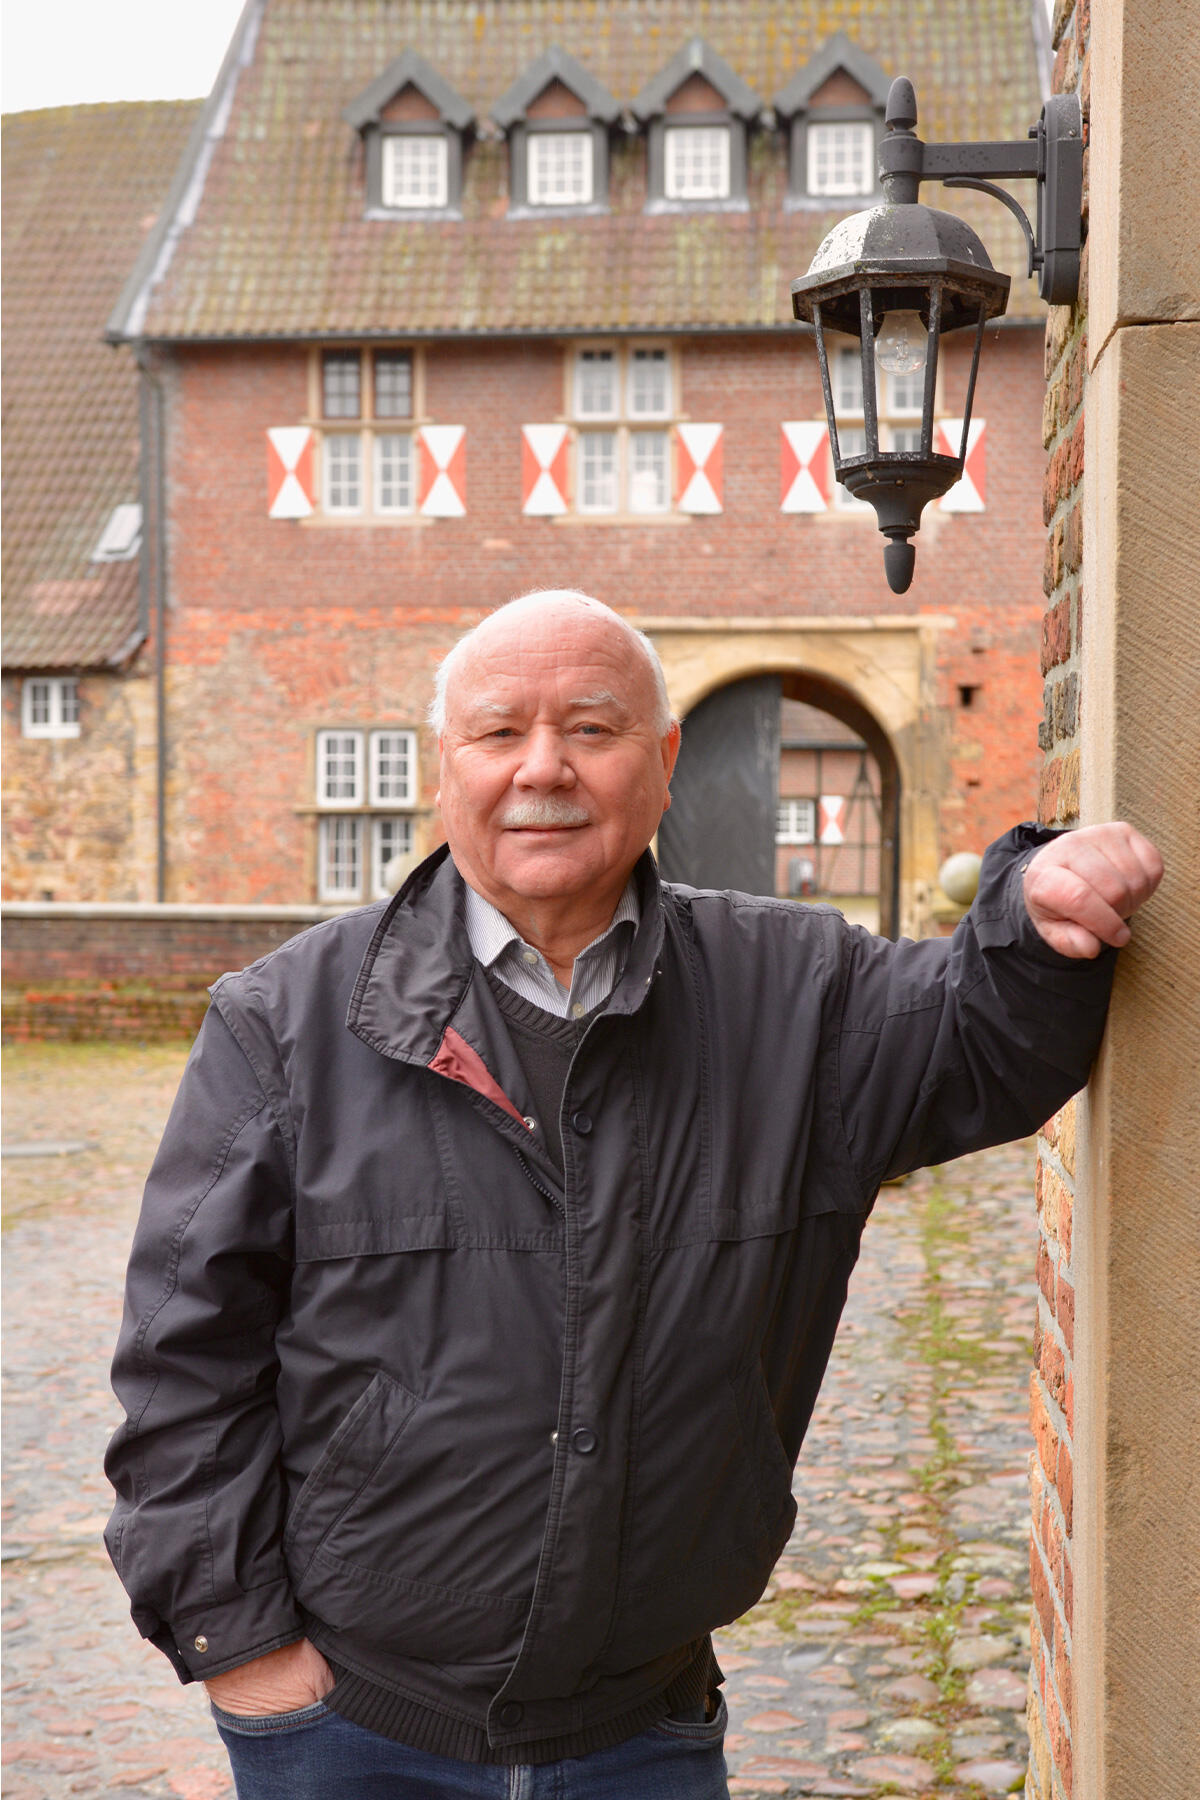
104 971
279 628
1051 1712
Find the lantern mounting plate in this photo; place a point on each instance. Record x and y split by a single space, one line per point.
1051 154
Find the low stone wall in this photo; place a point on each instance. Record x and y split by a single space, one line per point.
97 971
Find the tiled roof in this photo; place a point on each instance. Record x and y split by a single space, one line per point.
279 244
81 189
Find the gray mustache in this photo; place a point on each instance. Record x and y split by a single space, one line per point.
549 810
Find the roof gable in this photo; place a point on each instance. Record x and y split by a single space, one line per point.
410 69
696 57
838 52
554 64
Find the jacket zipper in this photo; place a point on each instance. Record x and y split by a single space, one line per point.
540 1185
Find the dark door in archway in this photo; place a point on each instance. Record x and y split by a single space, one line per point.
720 831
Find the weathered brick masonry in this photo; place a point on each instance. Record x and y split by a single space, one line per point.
1052 1383
278 628
108 971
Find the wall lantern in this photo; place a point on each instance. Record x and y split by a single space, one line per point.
900 276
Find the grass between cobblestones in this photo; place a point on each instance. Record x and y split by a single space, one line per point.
931 1336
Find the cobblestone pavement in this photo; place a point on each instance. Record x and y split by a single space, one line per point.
889 1653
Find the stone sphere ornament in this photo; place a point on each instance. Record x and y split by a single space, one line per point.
958 877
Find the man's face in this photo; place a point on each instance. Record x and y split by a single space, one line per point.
553 777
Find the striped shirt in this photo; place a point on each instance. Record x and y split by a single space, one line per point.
499 946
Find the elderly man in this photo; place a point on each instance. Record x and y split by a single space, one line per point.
493 1255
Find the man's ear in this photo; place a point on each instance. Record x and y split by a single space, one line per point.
670 748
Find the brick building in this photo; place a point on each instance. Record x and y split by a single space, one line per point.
82 188
448 303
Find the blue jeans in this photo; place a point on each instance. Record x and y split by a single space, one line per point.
315 1754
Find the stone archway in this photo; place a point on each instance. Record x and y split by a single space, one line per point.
877 676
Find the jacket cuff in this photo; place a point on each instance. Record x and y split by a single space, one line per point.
998 911
228 1633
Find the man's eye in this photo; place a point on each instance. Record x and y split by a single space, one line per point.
590 729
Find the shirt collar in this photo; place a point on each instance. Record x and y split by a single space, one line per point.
490 933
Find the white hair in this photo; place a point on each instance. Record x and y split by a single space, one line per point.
454 656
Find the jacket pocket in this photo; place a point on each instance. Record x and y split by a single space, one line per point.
704 1542
345 1467
383 1541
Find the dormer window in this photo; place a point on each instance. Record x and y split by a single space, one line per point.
696 162
415 170
833 109
557 116
840 158
412 125
559 168
696 111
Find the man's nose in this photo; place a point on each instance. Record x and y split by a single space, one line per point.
544 761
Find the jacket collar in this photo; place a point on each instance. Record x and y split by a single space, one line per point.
416 974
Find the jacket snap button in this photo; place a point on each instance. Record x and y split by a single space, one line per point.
201 1644
584 1441
582 1122
511 1713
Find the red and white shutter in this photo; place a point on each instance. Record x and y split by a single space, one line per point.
291 472
699 477
442 471
544 469
830 810
969 491
806 479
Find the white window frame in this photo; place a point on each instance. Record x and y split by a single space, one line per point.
542 188
584 441
635 496
62 706
379 862
898 407
861 179
354 740
788 829
376 796
623 426
414 198
612 360
677 185
397 509
372 803
368 427
335 823
332 474
661 357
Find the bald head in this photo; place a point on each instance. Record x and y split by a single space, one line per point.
561 613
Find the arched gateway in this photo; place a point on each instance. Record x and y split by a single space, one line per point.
727 684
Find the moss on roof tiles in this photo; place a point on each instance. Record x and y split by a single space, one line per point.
82 186
280 246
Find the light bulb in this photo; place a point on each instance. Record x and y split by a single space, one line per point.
902 342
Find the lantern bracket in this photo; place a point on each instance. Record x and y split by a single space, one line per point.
1051 155
1005 199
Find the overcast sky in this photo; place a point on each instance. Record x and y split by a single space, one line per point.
72 52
